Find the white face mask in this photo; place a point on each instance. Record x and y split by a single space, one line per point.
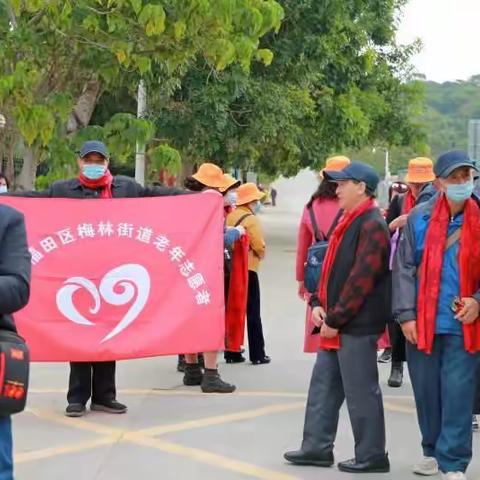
230 199
3 189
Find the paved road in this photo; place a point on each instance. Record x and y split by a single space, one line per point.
174 432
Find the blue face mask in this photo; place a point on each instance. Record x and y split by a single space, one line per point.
94 172
258 207
460 192
231 199
3 189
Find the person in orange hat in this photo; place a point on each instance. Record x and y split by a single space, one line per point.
248 205
229 192
419 177
209 177
318 218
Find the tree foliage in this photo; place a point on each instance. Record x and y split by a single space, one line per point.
51 49
337 81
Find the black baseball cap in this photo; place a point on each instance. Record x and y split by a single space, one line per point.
93 146
356 171
450 161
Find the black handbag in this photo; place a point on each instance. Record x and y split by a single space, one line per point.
14 373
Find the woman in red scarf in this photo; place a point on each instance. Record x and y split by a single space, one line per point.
436 282
350 313
420 175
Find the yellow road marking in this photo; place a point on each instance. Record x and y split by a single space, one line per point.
209 458
177 392
54 451
221 419
398 408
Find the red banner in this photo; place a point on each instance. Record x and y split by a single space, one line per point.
123 278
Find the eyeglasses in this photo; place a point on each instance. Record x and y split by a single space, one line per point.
399 187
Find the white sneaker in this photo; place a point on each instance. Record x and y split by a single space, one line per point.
426 467
454 476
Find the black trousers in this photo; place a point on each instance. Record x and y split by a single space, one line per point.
397 341
95 380
256 342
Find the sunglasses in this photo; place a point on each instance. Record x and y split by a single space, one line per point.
399 187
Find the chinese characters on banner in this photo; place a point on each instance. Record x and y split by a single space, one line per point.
123 278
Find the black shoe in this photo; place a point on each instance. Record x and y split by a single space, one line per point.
181 363
212 383
262 361
75 410
234 357
396 375
380 465
111 406
193 375
299 457
386 356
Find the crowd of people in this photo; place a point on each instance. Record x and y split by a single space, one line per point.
410 274
407 277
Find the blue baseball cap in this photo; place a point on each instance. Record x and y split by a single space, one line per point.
93 146
450 161
356 171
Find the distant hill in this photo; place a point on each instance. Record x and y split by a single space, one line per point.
449 107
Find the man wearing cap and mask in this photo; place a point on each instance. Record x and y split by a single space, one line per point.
96 380
436 294
350 314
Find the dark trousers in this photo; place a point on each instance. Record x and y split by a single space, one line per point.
444 387
350 373
6 458
95 380
397 341
256 342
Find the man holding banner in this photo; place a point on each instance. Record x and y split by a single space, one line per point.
96 380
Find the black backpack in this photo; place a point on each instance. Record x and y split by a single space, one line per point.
316 253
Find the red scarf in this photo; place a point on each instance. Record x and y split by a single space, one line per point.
236 303
408 202
431 271
103 183
333 245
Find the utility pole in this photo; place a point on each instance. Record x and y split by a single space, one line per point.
140 155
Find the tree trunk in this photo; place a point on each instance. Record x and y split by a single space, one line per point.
83 110
26 179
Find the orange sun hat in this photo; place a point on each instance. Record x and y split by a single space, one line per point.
420 170
335 164
247 193
230 182
210 175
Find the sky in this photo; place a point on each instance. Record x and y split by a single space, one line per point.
449 30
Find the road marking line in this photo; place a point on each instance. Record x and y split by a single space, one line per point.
398 408
221 419
78 423
178 392
25 457
209 458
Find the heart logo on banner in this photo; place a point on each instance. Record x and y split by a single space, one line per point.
133 278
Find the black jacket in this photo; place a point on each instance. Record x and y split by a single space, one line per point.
122 187
15 267
359 287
